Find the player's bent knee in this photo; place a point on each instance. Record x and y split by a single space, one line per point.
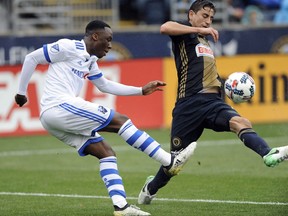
237 123
99 150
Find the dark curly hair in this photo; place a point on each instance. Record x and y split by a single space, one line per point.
199 4
94 25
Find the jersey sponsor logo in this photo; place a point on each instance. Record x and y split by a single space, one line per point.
55 48
203 50
81 74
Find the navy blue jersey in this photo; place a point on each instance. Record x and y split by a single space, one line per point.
195 64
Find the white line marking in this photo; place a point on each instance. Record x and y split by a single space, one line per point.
206 143
136 198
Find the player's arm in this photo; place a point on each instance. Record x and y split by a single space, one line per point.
174 28
30 63
108 86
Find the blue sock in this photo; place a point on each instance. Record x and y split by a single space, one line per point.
251 139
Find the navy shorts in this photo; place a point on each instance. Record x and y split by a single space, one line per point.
192 115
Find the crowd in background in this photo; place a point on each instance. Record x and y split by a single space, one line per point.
255 12
133 12
252 12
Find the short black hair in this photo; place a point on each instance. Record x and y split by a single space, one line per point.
93 25
199 4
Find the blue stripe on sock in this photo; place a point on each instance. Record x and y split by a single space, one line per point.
154 151
145 144
134 137
117 192
105 160
108 172
114 182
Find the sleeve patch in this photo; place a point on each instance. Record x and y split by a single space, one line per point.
55 48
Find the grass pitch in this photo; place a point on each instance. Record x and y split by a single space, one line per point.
41 176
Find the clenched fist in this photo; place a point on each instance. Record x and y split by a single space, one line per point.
20 99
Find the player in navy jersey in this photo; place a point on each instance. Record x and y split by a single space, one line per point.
199 104
77 122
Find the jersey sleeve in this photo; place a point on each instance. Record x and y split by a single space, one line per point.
58 51
95 72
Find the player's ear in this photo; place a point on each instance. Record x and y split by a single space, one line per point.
190 14
95 36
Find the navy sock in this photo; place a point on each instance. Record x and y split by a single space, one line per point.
159 181
251 139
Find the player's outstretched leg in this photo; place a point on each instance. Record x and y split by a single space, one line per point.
276 156
144 142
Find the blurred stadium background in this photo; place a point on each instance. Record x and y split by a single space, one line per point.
253 38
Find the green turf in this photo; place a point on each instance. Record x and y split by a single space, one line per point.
223 178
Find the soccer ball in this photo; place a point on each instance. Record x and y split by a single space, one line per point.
239 87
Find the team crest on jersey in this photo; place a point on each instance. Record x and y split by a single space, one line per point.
55 48
176 142
203 50
102 109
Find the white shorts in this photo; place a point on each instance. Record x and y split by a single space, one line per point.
76 122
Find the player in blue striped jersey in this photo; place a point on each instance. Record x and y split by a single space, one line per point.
77 122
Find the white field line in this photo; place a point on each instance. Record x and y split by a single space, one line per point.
135 198
278 141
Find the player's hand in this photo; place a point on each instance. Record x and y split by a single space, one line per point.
153 86
20 99
210 31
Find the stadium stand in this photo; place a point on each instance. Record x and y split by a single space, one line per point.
34 17
61 15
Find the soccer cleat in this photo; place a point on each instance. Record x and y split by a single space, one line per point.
144 195
179 159
131 210
276 156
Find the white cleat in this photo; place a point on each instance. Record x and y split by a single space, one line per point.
179 159
144 195
131 210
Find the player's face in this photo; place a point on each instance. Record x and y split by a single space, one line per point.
202 18
103 42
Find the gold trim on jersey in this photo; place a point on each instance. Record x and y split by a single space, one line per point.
184 70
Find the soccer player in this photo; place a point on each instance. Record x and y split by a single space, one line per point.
77 122
199 104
